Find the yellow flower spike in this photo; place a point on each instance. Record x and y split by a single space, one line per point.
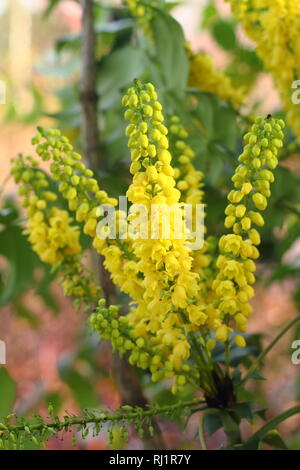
88 196
55 238
232 285
168 281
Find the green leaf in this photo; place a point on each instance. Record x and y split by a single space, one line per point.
227 132
243 410
258 436
274 439
114 26
216 141
283 271
257 376
116 71
23 312
81 387
14 247
291 236
170 54
261 412
167 6
224 34
249 56
51 5
8 215
22 262
209 15
62 70
212 421
205 111
236 354
7 392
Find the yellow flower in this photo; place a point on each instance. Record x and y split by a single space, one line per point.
222 333
240 341
179 297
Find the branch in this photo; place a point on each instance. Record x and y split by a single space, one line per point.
88 95
40 431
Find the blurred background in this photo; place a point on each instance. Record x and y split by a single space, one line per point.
51 354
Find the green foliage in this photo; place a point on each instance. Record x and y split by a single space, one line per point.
22 261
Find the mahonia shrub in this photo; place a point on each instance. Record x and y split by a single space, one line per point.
178 311
183 301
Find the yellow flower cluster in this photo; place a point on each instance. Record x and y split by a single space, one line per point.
275 27
205 77
252 178
183 300
53 238
79 187
50 230
169 284
145 354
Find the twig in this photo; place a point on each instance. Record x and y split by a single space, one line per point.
88 95
119 417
